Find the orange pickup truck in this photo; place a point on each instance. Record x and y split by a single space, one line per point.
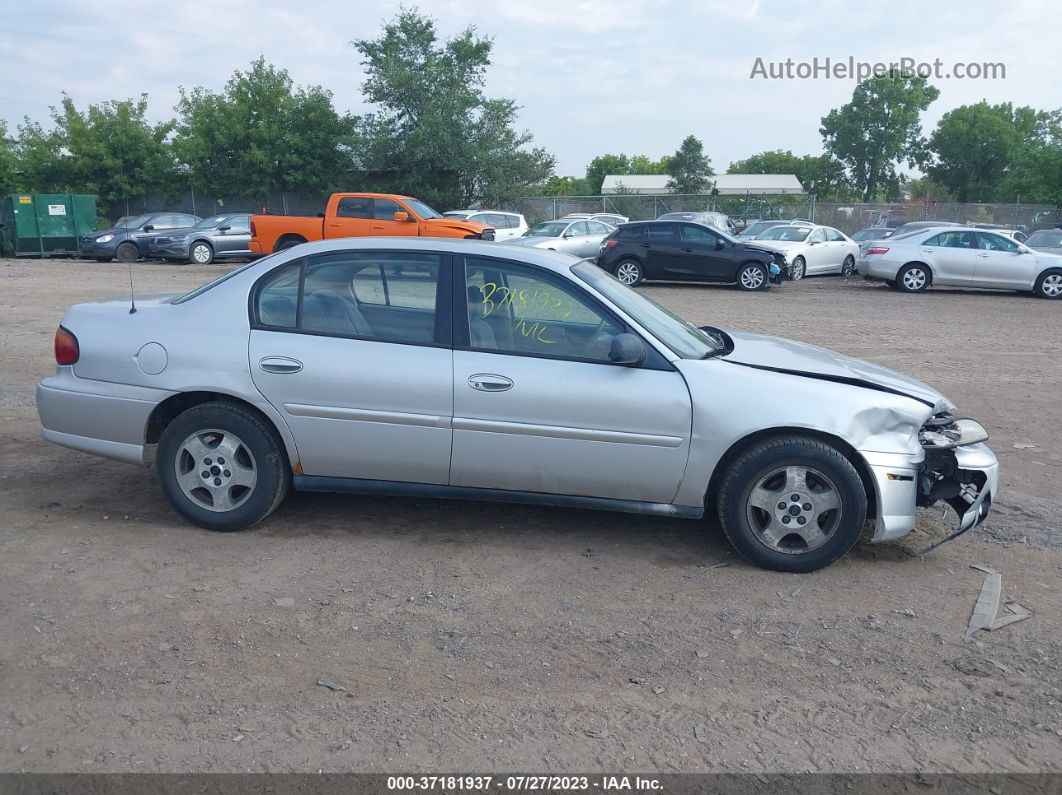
361 215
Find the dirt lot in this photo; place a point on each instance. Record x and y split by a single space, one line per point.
490 637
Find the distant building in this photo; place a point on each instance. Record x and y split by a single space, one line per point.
726 184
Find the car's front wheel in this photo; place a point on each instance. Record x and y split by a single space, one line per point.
127 252
752 276
629 272
221 466
848 266
792 504
201 253
1049 285
798 269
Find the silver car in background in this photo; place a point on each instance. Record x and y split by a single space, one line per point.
811 250
575 236
218 237
1047 241
467 370
961 257
506 225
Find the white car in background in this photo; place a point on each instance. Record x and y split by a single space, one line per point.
811 250
612 219
506 225
962 257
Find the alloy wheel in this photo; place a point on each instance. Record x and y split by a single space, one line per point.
752 278
914 279
201 253
798 269
1051 286
215 470
794 509
628 273
848 267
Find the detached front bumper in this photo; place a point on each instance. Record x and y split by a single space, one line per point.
966 478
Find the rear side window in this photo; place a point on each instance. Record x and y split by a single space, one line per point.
662 233
834 235
630 232
278 297
354 207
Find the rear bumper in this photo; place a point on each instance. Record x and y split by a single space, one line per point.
97 417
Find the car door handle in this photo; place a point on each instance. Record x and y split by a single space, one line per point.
927 251
488 382
279 364
647 245
982 254
688 250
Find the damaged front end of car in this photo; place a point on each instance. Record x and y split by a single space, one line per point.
958 470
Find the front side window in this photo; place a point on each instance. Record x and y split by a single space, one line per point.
996 243
596 228
520 310
354 207
385 209
548 229
238 224
385 296
577 230
818 236
698 234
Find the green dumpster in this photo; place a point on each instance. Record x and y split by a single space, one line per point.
43 224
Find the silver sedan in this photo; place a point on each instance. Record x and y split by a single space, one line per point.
811 250
468 370
575 236
962 257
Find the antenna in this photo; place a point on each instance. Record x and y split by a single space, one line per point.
132 298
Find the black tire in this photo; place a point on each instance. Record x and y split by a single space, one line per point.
104 259
798 270
914 278
630 266
261 448
291 242
823 466
848 266
127 252
1047 285
203 245
752 276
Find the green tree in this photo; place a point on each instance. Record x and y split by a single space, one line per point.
690 169
879 128
434 133
1035 175
643 164
825 173
973 147
564 186
111 150
41 161
928 188
9 180
262 135
603 165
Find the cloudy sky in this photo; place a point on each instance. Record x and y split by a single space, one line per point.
592 76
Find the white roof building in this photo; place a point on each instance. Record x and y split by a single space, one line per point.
726 184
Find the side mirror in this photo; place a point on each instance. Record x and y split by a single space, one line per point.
225 228
400 216
719 243
148 227
627 349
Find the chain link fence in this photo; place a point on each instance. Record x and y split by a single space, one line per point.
205 205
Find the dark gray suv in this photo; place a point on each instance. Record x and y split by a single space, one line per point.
130 237
216 237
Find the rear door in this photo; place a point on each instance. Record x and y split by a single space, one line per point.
1001 262
662 251
353 349
538 406
353 218
384 223
952 257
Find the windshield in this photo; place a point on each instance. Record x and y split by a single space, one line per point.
1046 238
131 221
787 233
874 233
548 229
421 209
760 226
676 216
685 339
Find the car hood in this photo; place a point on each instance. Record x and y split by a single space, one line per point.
456 225
755 246
778 245
535 241
1053 251
811 361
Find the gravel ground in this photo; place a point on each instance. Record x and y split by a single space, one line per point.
489 637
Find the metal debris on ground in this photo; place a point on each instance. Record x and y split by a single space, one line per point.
986 609
699 733
597 734
324 681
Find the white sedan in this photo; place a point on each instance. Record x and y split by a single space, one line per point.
811 250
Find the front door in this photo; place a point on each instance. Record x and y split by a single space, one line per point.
818 255
358 362
1001 262
384 223
702 255
538 406
236 239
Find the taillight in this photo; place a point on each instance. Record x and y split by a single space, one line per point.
876 250
66 347
254 232
611 243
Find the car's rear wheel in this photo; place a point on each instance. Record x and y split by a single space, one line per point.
752 276
201 253
848 266
1049 285
792 504
913 278
629 272
798 269
127 252
222 467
